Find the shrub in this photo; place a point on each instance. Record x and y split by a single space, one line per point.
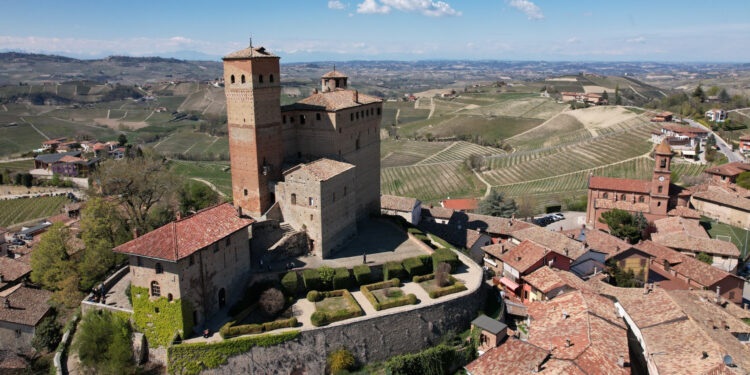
311 278
447 256
103 343
455 288
47 335
318 318
326 277
393 270
419 279
414 266
228 331
341 359
433 361
442 274
390 302
341 278
314 296
289 283
427 261
272 302
362 274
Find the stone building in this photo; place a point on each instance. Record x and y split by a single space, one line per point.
265 139
21 311
203 259
321 197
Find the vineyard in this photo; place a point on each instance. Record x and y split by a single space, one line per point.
17 211
460 151
431 182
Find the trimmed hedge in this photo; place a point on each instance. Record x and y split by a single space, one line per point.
447 256
393 270
455 287
314 296
415 266
409 299
433 361
319 318
362 274
289 283
341 278
419 279
311 278
190 359
245 329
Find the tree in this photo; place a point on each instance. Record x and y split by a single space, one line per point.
138 183
122 140
699 94
195 196
743 180
526 206
624 225
442 274
475 162
605 96
713 90
705 258
47 335
159 216
697 150
271 302
495 204
50 261
618 98
724 96
102 228
69 292
103 343
27 179
339 360
326 277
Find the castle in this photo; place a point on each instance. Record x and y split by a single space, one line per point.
314 164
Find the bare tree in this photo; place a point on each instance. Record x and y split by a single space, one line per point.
271 301
526 206
442 274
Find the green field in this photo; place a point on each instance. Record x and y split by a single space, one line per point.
737 236
215 172
17 211
17 166
431 182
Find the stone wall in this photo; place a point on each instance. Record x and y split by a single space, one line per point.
291 246
370 340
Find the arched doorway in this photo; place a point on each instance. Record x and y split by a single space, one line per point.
222 298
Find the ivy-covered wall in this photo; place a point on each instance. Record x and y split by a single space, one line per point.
193 358
159 319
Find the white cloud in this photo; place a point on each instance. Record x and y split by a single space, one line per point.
425 7
336 4
639 39
573 40
532 11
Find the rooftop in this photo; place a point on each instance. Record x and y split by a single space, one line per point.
437 212
27 306
663 148
491 224
490 325
321 169
678 224
556 241
54 158
619 184
334 74
685 212
396 203
726 195
525 255
687 242
544 279
250 52
498 249
514 357
181 238
729 169
12 269
332 101
460 204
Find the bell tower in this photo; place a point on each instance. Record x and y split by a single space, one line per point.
251 85
660 180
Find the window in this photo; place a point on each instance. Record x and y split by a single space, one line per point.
622 264
291 119
311 217
339 130
317 116
606 195
260 78
158 268
302 119
641 199
660 189
283 119
169 297
344 190
270 78
658 204
663 163
18 333
191 260
310 201
294 198
352 116
242 79
227 242
138 261
245 191
231 79
378 111
731 295
357 115
155 290
299 155
643 262
622 197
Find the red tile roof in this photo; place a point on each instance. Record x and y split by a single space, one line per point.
684 212
619 184
663 148
334 74
514 357
181 238
686 242
678 224
334 100
525 255
556 241
729 169
544 279
437 212
250 52
460 204
13 269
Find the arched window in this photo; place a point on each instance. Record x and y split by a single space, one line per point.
664 163
270 78
155 290
622 197
260 78
660 189
169 297
242 79
158 268
231 79
294 198
658 204
641 199
606 195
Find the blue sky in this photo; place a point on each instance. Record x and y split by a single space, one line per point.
312 30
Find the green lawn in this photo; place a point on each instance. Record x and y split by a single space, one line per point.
738 236
332 304
386 294
215 172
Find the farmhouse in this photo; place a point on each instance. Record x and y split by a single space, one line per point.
52 144
651 198
682 136
582 97
662 117
408 208
69 164
201 262
716 115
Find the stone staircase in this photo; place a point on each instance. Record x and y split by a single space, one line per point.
286 229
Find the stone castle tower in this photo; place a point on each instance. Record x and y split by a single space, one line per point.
251 79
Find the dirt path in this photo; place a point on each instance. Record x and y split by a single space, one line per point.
162 141
398 112
5 108
13 160
432 108
638 93
107 113
149 116
34 127
538 126
211 185
489 186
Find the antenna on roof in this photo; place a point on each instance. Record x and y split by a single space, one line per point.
251 40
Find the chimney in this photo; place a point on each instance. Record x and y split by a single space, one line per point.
705 355
355 96
315 91
518 258
179 215
621 361
567 343
135 233
565 316
239 211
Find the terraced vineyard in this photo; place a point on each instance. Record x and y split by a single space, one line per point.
16 211
17 166
459 151
396 153
588 154
431 182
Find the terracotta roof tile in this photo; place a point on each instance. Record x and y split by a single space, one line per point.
437 212
729 169
556 241
678 358
460 204
334 74
544 279
659 252
27 306
396 203
250 52
525 255
13 269
496 226
332 101
622 205
514 357
685 129
702 273
321 169
685 242
685 212
497 250
181 238
605 242
731 196
663 148
619 184
679 224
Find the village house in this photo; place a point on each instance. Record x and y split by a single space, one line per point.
21 310
553 240
716 115
683 137
727 173
651 198
665 116
203 259
524 259
12 271
436 215
492 254
408 208
689 237
491 332
68 164
635 261
727 203
575 333
744 144
546 283
52 144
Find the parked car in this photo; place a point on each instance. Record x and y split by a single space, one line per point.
558 216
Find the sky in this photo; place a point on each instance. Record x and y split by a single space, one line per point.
339 30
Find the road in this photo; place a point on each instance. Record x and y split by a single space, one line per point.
723 146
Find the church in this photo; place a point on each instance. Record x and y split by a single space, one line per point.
314 164
656 199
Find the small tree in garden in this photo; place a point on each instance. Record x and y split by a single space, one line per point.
271 301
341 359
442 274
326 277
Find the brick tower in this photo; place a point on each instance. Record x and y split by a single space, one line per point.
251 84
660 179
